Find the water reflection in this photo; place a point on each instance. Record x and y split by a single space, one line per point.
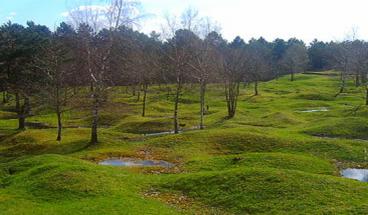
357 174
130 162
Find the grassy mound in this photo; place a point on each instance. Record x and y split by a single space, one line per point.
7 115
225 141
240 141
256 190
54 177
43 141
54 184
279 119
274 160
105 120
350 127
315 96
144 126
264 160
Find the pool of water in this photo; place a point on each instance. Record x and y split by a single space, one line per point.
357 174
160 133
131 162
322 109
171 132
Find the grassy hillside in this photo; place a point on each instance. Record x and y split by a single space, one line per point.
281 153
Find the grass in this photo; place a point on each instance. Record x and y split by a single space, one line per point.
271 158
54 184
264 160
253 190
349 127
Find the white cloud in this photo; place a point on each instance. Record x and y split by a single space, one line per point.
305 19
100 16
87 8
10 16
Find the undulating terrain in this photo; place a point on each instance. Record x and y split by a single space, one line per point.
281 154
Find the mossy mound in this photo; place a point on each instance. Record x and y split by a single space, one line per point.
273 191
304 163
146 126
279 119
54 177
315 96
350 127
240 141
7 115
54 184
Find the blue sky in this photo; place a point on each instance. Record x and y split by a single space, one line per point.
305 19
41 11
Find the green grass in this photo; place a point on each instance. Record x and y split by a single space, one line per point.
271 158
253 190
348 127
264 160
54 184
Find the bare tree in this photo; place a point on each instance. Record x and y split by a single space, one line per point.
234 66
56 63
179 53
110 18
200 58
149 58
295 59
344 61
205 60
202 64
260 61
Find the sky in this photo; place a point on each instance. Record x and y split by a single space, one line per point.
304 19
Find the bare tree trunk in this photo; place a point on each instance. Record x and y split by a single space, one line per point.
256 88
176 106
145 87
27 107
94 137
342 85
237 85
357 80
139 94
5 97
17 102
58 138
232 92
168 92
292 76
58 113
202 98
22 111
92 87
366 95
133 90
363 79
21 122
227 95
341 76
